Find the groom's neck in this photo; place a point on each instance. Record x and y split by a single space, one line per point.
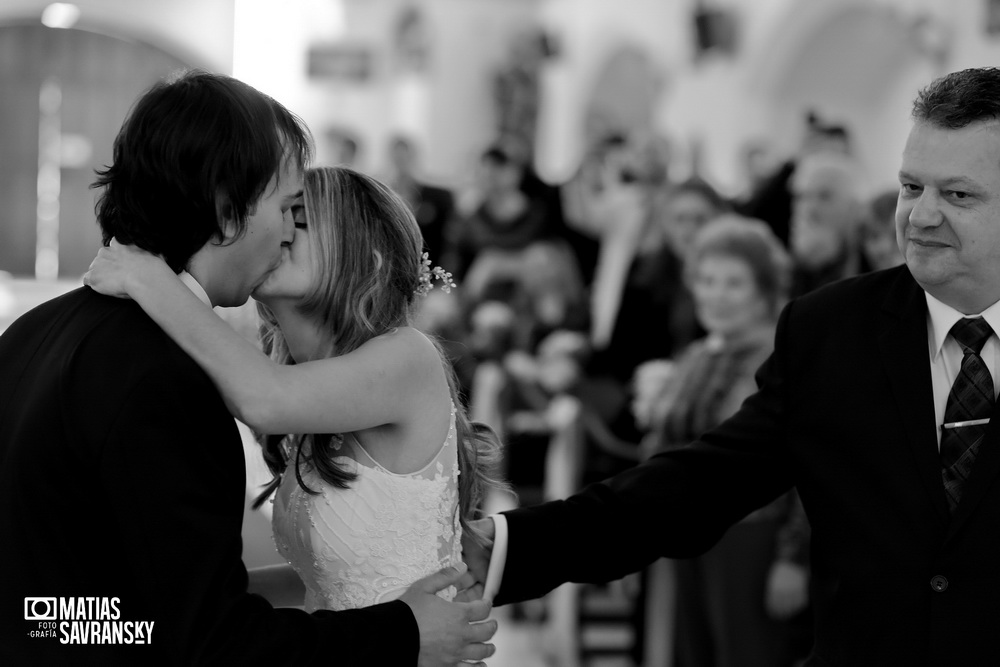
204 279
213 274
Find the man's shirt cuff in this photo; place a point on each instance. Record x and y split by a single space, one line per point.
498 558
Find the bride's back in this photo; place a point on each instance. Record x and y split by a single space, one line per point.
366 544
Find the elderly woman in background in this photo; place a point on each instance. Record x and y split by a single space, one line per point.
878 232
738 273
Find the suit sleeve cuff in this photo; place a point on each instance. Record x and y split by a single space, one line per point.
498 558
405 650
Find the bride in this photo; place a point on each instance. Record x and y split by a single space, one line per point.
377 469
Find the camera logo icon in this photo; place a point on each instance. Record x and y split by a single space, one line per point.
40 609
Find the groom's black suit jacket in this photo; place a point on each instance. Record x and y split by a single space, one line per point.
122 475
845 412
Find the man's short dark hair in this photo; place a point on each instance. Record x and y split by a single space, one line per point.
960 98
192 148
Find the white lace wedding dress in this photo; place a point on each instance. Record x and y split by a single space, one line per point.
366 544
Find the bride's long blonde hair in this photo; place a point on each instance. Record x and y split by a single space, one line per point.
369 248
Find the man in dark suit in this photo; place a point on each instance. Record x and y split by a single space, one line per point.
122 475
875 403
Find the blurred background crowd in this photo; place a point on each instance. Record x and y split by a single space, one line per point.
625 191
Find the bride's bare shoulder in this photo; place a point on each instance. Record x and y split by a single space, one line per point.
404 337
404 346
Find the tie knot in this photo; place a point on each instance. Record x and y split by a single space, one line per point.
971 333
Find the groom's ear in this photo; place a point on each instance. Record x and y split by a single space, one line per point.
227 221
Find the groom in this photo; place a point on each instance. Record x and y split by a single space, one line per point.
121 471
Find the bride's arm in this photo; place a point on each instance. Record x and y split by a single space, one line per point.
371 386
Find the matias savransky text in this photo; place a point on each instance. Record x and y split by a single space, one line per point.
85 620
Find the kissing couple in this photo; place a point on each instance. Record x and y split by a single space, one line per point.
129 404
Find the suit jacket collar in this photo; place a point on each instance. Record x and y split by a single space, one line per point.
904 347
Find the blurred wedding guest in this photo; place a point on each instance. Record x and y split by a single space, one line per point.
432 206
505 221
343 146
688 207
511 306
739 274
532 185
580 196
440 315
770 198
878 232
826 214
548 304
553 291
541 284
760 161
640 307
611 173
533 383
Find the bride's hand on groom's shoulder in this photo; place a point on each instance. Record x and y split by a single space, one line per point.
117 265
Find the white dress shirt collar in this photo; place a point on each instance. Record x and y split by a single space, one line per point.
196 287
943 318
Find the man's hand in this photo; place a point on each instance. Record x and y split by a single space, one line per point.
649 381
450 632
787 589
475 555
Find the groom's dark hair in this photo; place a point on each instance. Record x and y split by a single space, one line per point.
194 149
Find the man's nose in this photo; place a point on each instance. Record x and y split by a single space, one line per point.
711 292
926 212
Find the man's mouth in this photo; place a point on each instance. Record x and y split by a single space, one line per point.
929 243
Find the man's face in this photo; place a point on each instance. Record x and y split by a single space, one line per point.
401 157
948 213
499 177
823 212
687 213
270 231
294 278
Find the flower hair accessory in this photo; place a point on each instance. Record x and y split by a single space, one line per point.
428 275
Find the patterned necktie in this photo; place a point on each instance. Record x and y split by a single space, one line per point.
967 412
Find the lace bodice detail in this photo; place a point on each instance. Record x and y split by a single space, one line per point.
366 544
